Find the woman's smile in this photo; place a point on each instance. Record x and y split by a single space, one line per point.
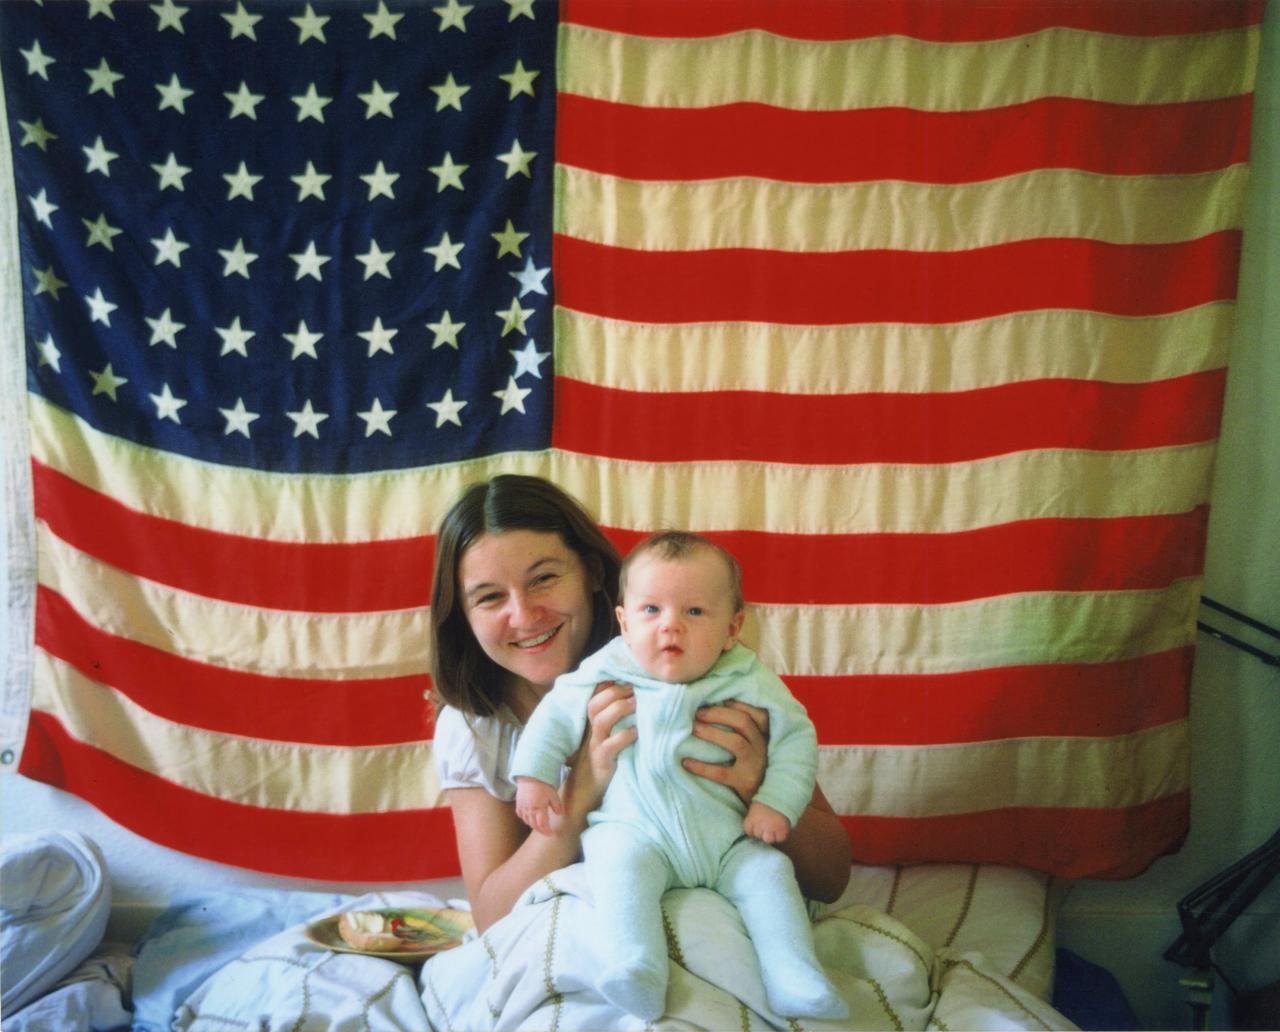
528 601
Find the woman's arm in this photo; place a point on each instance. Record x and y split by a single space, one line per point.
817 845
499 858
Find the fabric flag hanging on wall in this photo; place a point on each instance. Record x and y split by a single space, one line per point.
922 309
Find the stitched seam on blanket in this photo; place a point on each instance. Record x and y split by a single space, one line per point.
744 1017
1040 938
794 1025
435 998
673 944
893 890
371 1000
941 1026
964 907
306 1003
556 998
880 931
493 974
884 1002
987 978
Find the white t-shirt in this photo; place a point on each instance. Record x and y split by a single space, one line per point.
476 752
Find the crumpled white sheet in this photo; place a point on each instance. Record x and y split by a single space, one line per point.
289 982
90 999
55 898
534 970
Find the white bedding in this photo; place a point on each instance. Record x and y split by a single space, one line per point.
932 946
977 956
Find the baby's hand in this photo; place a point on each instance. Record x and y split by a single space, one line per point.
766 824
536 801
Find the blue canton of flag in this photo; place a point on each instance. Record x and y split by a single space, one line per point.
297 237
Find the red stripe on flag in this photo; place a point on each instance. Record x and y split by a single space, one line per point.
314 577
1072 843
917 428
948 22
752 139
805 288
1094 700
401 845
1084 554
321 712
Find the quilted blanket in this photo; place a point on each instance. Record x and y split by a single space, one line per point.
533 970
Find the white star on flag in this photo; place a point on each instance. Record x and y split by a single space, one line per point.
237 260
512 396
164 329
528 360
530 278
100 308
235 338
307 420
106 382
166 404
171 173
243 102
99 158
380 182
304 341
49 353
447 410
169 249
446 331
445 253
376 261
242 22
377 419
174 95
310 25
377 101
169 16
42 207
309 262
453 15
379 337
238 419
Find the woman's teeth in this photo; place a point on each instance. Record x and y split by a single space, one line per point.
530 643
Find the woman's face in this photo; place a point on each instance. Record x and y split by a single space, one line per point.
527 597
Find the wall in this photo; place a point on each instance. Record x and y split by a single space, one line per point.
1235 699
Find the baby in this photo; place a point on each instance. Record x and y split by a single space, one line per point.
660 827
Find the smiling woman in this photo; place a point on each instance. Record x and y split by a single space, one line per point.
525 586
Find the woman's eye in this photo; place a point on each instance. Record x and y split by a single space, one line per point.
488 600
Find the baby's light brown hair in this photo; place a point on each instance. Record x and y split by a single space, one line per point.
677 544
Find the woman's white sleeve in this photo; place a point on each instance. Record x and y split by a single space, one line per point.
474 753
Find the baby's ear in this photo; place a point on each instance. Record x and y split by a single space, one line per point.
735 628
621 613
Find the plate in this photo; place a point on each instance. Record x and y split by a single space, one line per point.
438 928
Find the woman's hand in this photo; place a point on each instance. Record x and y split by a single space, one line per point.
743 731
597 758
818 845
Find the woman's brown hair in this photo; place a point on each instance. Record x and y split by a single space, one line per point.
464 676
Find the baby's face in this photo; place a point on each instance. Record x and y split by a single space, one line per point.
678 615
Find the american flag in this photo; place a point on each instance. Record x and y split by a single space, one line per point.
922 308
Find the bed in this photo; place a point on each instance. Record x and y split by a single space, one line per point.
920 946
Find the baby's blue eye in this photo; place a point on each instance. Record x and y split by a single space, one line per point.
649 609
695 610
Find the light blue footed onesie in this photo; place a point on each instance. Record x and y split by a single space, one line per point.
661 827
